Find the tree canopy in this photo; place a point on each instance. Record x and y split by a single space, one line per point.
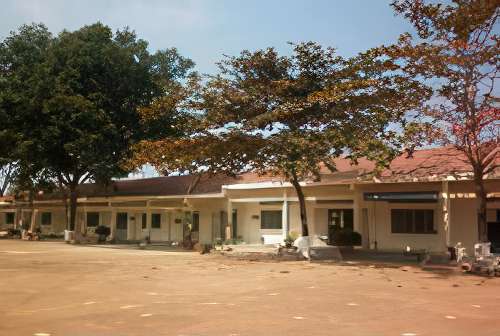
291 115
458 54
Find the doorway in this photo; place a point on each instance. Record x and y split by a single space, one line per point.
494 236
339 219
191 226
121 225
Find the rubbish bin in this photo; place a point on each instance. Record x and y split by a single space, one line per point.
69 235
482 249
453 252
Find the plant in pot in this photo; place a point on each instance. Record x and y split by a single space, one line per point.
290 238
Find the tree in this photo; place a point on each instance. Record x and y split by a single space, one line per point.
459 53
19 54
290 115
77 116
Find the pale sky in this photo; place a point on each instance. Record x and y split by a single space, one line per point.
205 30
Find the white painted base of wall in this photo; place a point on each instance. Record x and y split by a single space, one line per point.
273 239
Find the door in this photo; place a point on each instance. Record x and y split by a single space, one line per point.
223 225
339 219
191 225
216 227
334 221
121 226
133 228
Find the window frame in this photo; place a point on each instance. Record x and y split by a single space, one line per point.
279 218
43 220
413 221
153 223
93 213
7 214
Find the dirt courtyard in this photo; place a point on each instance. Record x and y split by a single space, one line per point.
51 288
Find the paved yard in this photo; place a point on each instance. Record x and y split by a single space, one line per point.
51 288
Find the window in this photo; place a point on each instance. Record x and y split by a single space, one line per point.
9 218
156 221
144 220
92 219
121 220
271 220
412 221
46 218
341 218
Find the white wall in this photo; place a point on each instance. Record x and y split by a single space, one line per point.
463 223
248 227
386 240
321 221
58 224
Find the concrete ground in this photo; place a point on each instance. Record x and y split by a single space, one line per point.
52 288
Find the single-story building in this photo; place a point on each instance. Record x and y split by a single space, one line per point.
424 200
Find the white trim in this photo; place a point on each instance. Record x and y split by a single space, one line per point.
259 185
269 199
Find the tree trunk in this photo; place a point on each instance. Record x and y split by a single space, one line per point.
73 223
482 225
302 203
6 180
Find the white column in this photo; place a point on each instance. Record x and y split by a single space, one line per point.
374 224
170 215
148 219
229 228
284 214
358 197
446 211
17 218
113 222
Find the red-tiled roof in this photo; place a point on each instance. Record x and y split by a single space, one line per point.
424 164
181 185
6 198
434 163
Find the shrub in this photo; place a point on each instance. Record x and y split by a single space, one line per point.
346 237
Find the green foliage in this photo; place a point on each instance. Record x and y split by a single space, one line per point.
286 116
71 103
233 241
291 116
291 237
